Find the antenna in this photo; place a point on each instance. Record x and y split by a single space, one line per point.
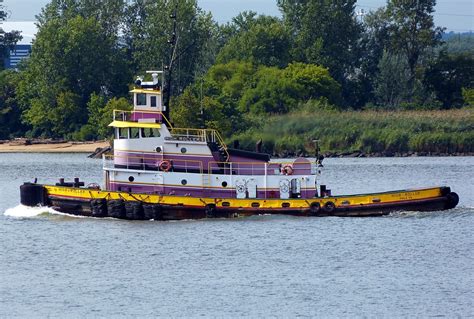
173 42
202 107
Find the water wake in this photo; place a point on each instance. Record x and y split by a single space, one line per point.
459 211
22 211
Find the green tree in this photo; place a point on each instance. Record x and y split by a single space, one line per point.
468 96
412 31
149 33
391 83
58 119
10 112
187 109
101 113
374 41
448 75
262 40
7 39
455 43
71 59
273 93
108 13
326 33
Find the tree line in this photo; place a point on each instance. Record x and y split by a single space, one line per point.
232 76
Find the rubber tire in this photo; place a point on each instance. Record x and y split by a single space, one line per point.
116 208
211 211
329 207
314 208
453 200
134 210
99 207
32 195
152 211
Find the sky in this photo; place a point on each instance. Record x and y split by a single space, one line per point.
455 15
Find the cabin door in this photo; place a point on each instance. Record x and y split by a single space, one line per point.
158 181
285 189
251 188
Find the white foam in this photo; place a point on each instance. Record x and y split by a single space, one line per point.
22 211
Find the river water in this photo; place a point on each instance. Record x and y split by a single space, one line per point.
411 264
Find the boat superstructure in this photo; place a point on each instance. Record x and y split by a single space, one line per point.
151 156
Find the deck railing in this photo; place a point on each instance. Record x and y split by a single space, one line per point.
146 162
198 135
135 116
179 134
259 168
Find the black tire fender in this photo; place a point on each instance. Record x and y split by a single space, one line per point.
99 207
453 200
314 208
210 211
329 207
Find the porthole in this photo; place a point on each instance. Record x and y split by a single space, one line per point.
285 205
158 149
225 204
224 184
131 179
183 150
184 182
255 205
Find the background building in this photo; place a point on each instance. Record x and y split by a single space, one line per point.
19 53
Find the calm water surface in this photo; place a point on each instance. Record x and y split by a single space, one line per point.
413 264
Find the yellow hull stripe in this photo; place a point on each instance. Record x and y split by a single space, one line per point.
339 201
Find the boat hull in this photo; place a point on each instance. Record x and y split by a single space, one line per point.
97 203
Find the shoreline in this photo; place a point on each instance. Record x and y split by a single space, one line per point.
51 147
95 147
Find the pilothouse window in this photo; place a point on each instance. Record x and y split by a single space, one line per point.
134 132
141 99
123 133
150 132
153 101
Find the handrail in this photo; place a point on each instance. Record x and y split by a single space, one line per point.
203 135
240 168
258 168
121 115
141 163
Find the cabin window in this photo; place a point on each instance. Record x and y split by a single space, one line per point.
150 132
153 101
134 132
122 133
141 99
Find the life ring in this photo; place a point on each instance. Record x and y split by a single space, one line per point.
287 169
93 186
165 166
329 207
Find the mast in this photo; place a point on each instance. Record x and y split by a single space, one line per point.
169 68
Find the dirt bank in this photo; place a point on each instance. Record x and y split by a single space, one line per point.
48 146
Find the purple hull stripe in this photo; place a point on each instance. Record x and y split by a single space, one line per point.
196 192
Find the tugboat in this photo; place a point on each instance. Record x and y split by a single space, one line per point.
161 172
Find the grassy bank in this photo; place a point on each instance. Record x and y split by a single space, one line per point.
370 132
